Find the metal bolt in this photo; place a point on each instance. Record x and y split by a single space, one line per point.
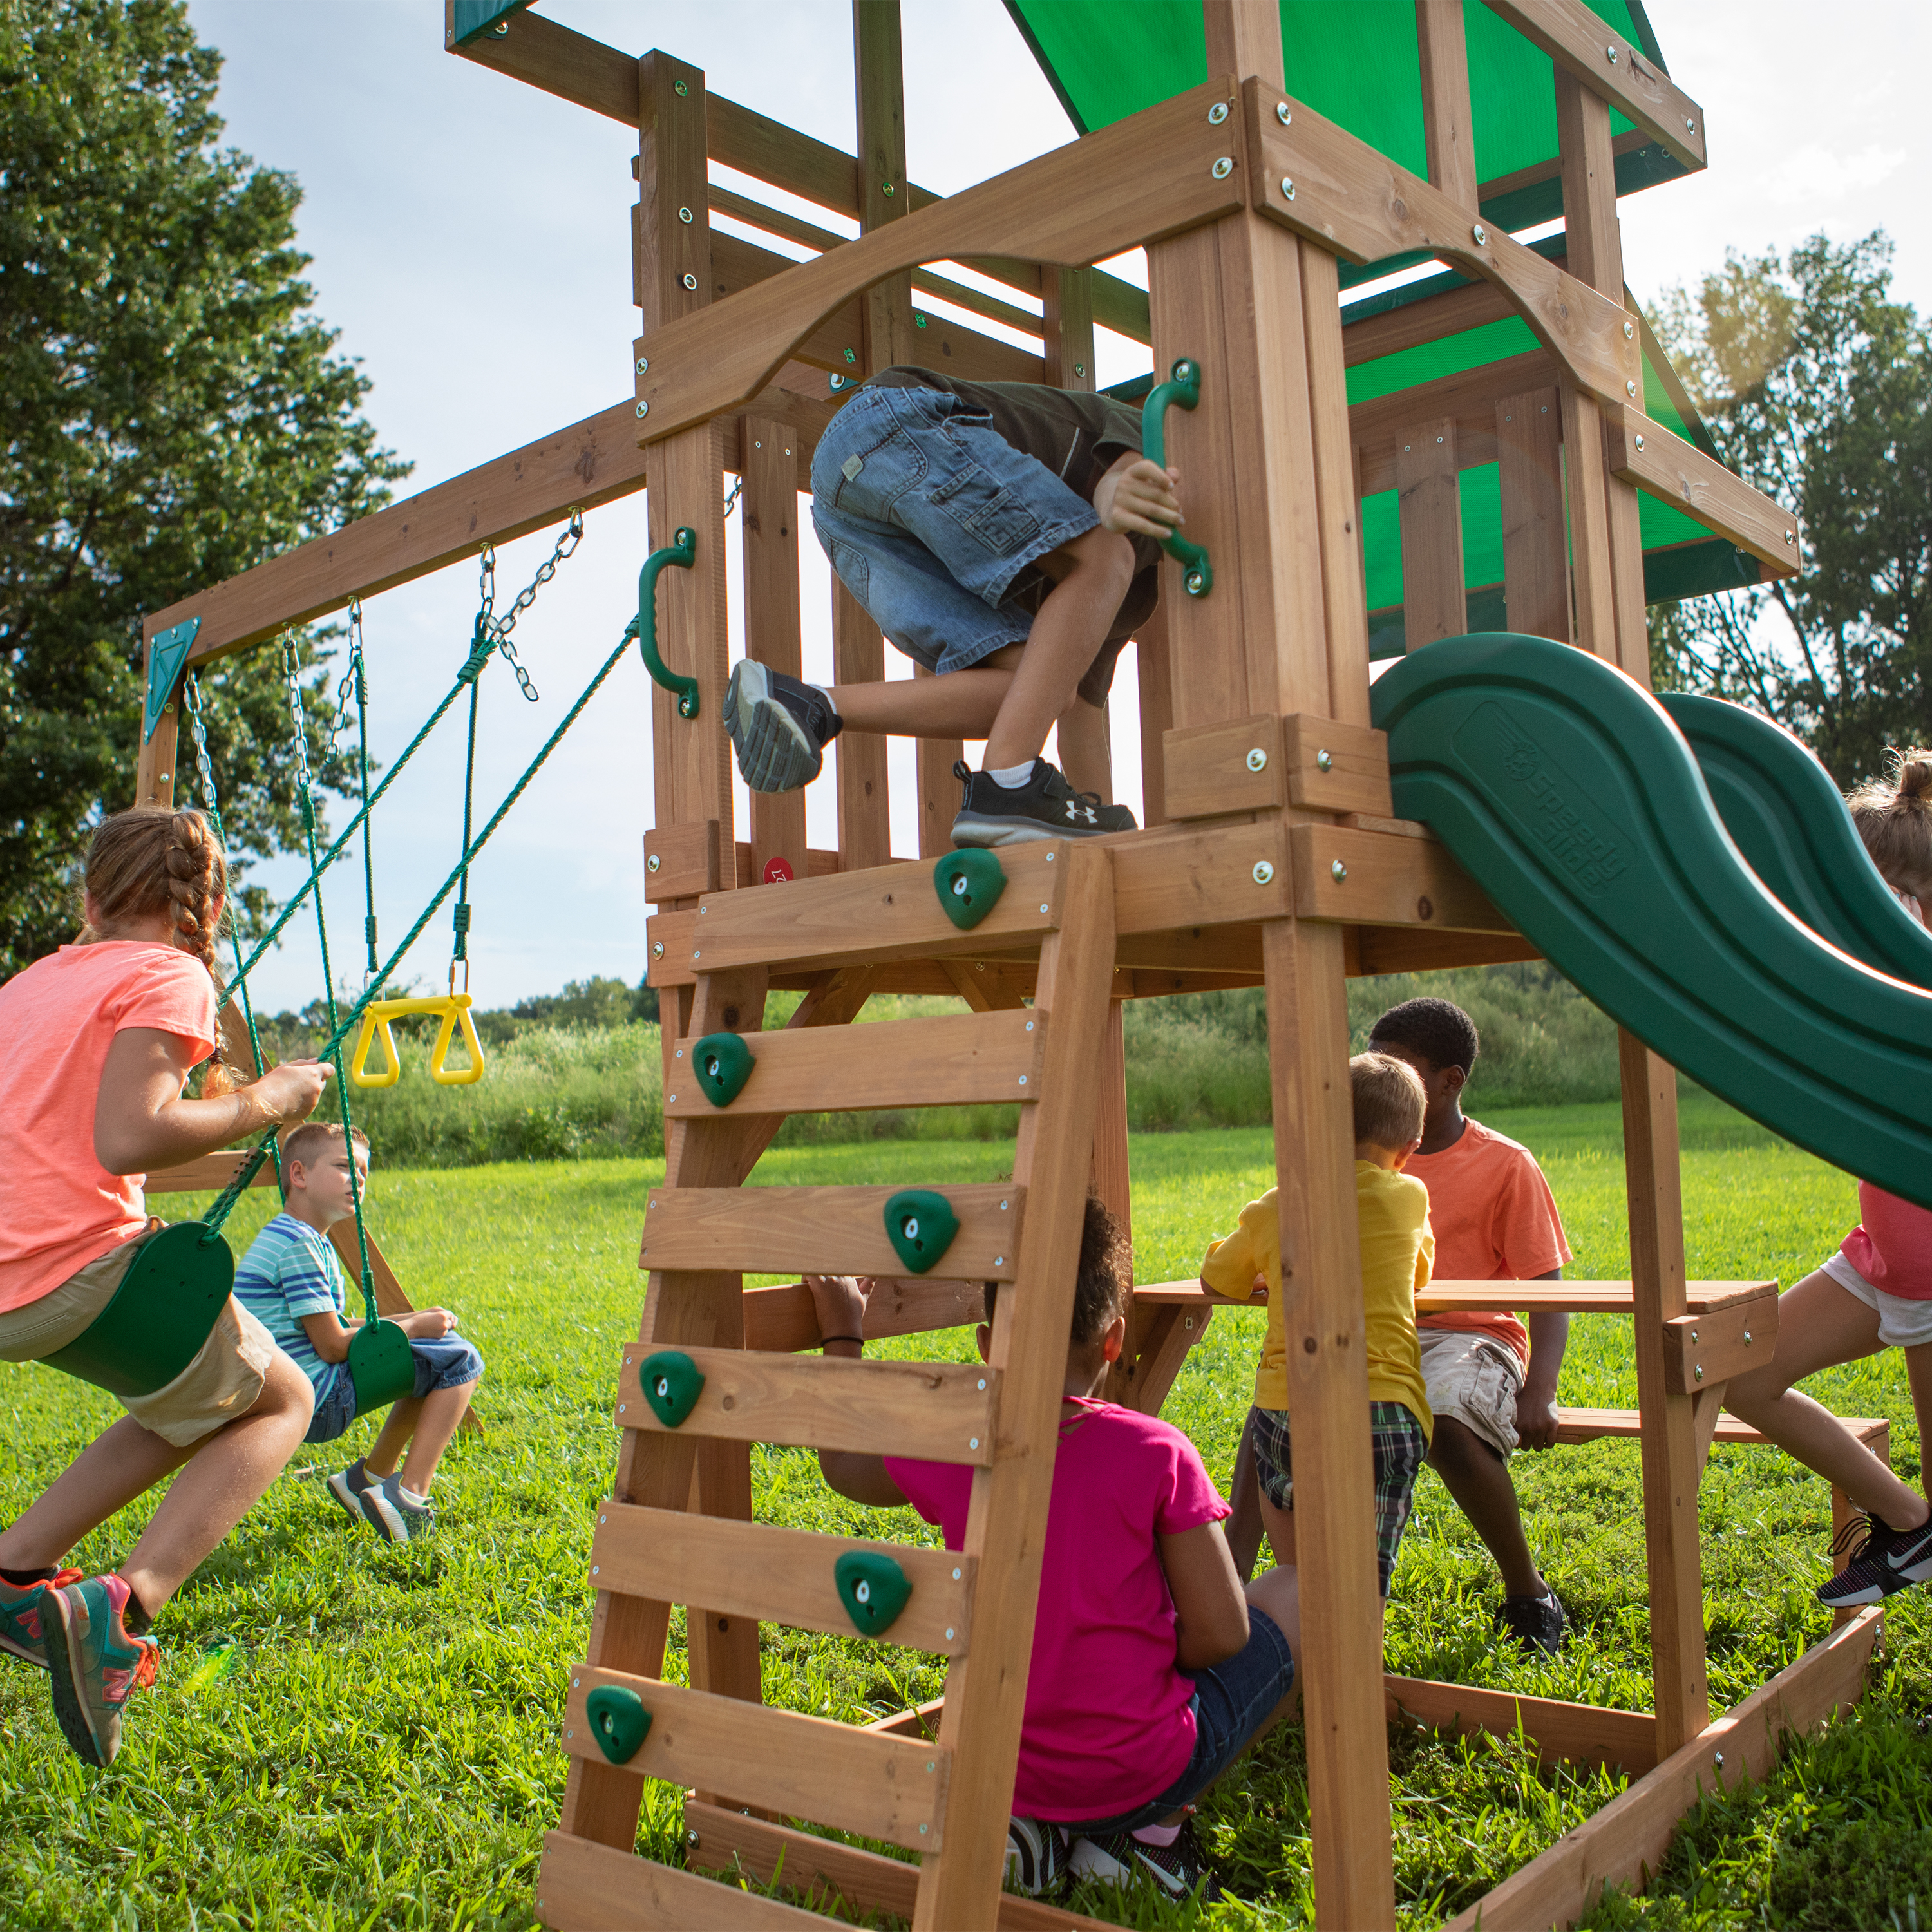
501 29
596 1569
1610 54
1689 125
1257 760
679 87
1639 442
923 1829
851 354
1079 368
955 1574
999 1260
1282 114
1717 1759
691 282
1482 235
1746 1338
837 382
973 1442
1630 330
1003 1205
651 864
1189 1323
643 363
1791 536
1196 583
1324 761
1697 1370
576 1680
1263 872
674 1100
643 409
1042 905
1629 388
657 949
684 214
621 1408
1337 871
1287 188
886 187
1217 113
691 1838
949 1639
1223 167
697 955
1023 1079
1693 1337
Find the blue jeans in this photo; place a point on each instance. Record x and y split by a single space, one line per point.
929 517
444 1363
1232 1700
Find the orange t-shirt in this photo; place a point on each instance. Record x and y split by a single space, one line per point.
59 1207
1496 1219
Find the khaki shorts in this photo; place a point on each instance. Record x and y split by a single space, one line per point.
222 1381
1476 1379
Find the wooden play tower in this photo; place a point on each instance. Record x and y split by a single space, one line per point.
1271 857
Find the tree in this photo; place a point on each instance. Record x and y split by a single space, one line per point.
173 415
1817 386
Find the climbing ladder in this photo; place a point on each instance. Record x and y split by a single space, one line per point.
944 1797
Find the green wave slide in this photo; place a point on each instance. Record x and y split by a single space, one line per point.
1566 791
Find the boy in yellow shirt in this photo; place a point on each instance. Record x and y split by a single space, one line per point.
1398 1250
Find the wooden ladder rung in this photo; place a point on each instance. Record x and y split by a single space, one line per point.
938 1411
954 1061
842 1775
583 1886
821 1230
786 1318
775 1576
850 919
1593 1425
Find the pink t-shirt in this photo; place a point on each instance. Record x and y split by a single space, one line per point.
1109 1722
59 1207
1892 1245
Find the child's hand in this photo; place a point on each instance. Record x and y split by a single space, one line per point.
1536 1418
1138 495
289 1092
431 1324
840 1300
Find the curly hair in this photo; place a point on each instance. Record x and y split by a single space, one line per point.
1105 1279
1438 1030
1894 816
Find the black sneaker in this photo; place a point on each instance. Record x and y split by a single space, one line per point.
1536 1623
1180 1870
780 727
1884 1560
1036 1858
1045 807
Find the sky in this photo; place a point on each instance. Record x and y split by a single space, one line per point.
470 241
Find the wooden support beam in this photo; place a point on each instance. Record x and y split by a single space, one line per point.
768 519
1069 320
1385 880
584 1885
1563 1733
1111 1179
858 657
1430 493
1664 466
783 1320
1536 564
674 218
154 766
1448 137
1380 426
1157 695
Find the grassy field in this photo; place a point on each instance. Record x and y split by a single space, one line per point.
375 1747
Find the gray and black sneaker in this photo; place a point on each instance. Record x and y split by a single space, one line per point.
390 1513
1535 1623
780 727
1045 807
346 1487
1036 1854
1884 1560
1180 1871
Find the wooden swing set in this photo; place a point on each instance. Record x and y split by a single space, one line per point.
1273 856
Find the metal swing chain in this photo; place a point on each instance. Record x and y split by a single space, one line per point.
355 684
732 495
497 630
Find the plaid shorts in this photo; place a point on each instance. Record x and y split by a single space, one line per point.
1399 1447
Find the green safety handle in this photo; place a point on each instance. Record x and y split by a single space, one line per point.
682 551
1182 386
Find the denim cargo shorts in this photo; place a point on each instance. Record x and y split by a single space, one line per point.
928 517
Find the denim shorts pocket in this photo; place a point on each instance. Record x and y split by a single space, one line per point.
851 567
995 517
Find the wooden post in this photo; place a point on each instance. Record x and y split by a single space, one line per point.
768 523
154 760
671 243
1069 296
1446 134
1156 692
1529 457
1110 1178
1429 489
1672 1463
858 657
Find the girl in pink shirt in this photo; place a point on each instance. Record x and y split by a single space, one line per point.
1876 1292
1151 1671
100 1039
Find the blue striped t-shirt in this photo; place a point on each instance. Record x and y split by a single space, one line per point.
290 1270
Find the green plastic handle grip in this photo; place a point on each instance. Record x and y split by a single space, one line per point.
1182 386
682 551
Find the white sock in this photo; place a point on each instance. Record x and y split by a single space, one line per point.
410 1496
1010 777
1159 1836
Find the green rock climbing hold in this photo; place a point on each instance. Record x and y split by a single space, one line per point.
619 1721
920 1225
381 1366
723 1063
969 884
873 1589
672 1384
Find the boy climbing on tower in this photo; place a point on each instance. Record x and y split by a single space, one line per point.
290 1281
1151 1671
1006 536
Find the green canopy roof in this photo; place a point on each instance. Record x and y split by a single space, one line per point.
1357 65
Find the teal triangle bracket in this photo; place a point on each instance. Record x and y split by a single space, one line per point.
167 651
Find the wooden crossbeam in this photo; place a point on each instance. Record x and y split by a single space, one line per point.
1664 466
941 1410
584 1886
1562 1732
776 1576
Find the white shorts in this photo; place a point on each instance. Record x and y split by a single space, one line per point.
1472 1376
1902 1323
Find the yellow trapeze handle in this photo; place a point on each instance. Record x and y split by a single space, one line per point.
452 1008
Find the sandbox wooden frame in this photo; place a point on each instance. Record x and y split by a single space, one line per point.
1271 857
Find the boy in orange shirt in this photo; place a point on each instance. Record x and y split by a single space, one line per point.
1492 1388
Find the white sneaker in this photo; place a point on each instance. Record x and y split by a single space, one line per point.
347 1486
392 1515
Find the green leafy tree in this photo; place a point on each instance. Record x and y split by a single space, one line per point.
173 415
1816 384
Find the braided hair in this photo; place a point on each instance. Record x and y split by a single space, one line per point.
154 859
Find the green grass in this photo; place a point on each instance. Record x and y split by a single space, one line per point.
384 1754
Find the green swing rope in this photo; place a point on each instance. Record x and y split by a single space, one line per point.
355 684
330 1050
